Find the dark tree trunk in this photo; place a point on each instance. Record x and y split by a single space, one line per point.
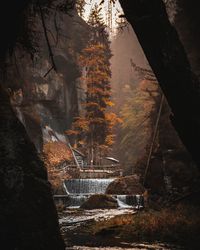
167 57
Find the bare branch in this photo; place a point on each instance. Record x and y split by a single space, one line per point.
48 72
46 37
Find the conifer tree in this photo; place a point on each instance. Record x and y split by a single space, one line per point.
80 6
93 128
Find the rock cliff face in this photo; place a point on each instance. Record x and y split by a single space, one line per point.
186 22
41 96
178 162
171 45
171 167
170 57
28 218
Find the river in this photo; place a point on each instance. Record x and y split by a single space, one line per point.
99 228
144 246
75 226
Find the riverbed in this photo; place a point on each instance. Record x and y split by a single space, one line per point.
144 246
85 230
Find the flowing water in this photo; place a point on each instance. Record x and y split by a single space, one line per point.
76 201
79 190
87 186
144 246
72 216
74 221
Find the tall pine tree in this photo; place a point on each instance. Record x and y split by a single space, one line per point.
94 128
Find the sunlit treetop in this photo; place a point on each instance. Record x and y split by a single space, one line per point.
111 12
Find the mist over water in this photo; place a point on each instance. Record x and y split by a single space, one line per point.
125 46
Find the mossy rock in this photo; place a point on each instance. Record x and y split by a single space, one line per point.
100 201
128 185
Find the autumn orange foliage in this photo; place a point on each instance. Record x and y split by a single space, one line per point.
93 129
54 154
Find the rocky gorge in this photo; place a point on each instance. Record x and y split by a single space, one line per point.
41 92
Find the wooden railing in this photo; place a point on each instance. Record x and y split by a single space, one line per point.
96 170
96 167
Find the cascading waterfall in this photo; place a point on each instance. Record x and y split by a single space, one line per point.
130 201
79 190
87 186
122 201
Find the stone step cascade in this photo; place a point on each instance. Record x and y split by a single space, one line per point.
79 190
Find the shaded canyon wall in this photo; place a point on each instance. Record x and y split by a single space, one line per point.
46 101
28 218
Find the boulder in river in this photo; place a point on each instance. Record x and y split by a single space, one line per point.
125 185
100 201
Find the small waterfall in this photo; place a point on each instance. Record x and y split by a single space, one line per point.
87 186
79 190
66 191
121 200
127 201
77 200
